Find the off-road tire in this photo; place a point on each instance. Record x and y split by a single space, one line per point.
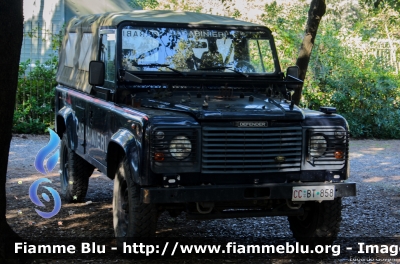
74 175
320 224
131 218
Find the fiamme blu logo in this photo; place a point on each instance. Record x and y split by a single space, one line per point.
46 160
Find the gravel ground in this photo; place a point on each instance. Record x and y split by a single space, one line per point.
373 213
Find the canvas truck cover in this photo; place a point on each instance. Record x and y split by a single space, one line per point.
81 40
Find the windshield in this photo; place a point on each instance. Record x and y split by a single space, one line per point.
195 50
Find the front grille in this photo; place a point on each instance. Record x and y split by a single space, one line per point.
251 150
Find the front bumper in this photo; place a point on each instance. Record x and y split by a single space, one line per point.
225 193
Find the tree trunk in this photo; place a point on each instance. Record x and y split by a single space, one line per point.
11 31
317 10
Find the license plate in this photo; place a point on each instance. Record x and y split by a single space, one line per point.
313 193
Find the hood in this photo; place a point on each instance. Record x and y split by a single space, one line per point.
246 107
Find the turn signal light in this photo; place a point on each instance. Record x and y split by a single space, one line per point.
159 156
339 154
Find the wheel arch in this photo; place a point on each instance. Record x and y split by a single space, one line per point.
122 144
60 125
63 115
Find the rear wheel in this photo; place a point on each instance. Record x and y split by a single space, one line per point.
75 173
131 217
320 223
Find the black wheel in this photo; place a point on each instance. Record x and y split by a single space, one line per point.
131 217
75 173
320 223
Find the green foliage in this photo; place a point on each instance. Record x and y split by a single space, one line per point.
366 95
34 111
363 88
287 24
145 4
381 4
380 22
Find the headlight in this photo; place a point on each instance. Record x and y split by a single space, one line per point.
160 135
340 133
180 147
317 145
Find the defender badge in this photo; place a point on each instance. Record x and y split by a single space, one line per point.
280 159
251 124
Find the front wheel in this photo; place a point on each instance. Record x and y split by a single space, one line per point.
131 218
319 224
74 175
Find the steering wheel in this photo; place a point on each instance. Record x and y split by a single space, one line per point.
245 67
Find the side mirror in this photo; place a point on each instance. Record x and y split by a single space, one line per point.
292 75
293 71
96 73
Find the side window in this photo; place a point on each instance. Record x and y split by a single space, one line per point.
70 50
261 55
84 55
108 56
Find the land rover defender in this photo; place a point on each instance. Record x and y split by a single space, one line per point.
192 112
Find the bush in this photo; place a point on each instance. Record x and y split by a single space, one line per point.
363 91
362 87
34 111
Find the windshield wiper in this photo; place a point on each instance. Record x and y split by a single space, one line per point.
159 65
149 103
224 68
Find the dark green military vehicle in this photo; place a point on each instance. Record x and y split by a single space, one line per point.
191 112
